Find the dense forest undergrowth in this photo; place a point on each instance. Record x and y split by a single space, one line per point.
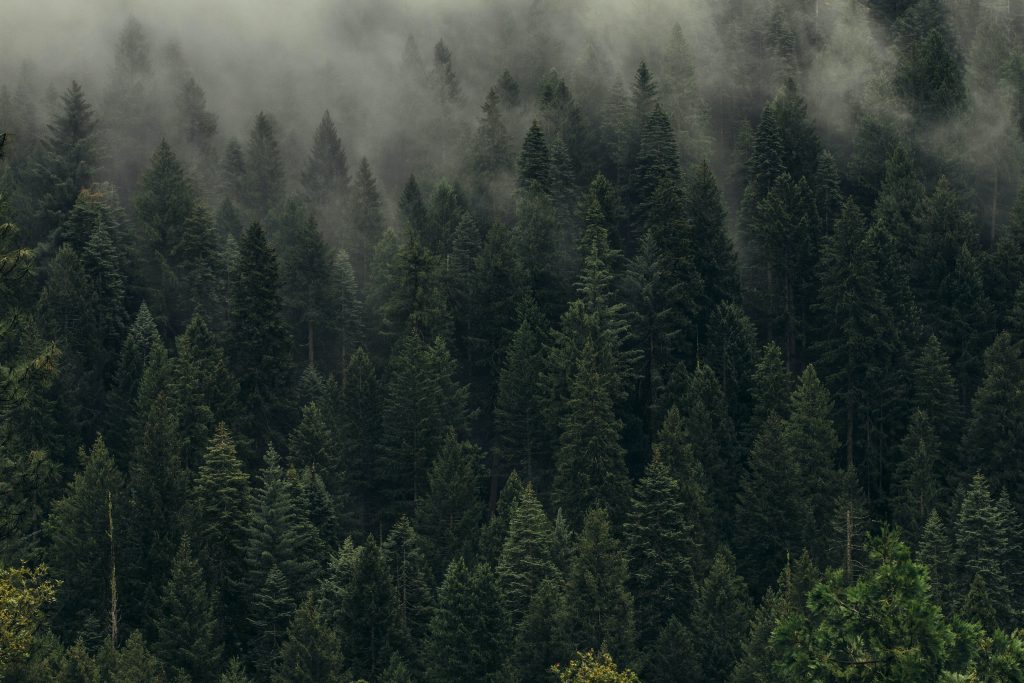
654 366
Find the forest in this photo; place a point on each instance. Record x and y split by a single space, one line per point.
512 341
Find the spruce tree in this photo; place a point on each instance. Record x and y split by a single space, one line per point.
600 604
258 338
542 638
264 172
367 221
721 618
449 513
917 485
525 560
188 634
371 625
534 162
661 543
715 255
311 652
325 177
360 418
407 561
465 633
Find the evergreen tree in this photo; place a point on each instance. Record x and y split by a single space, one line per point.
525 560
466 630
361 431
257 337
264 172
407 561
198 124
662 545
590 466
535 162
367 221
188 635
220 504
311 651
325 177
86 529
449 514
672 448
543 634
993 437
270 609
917 483
601 606
492 151
721 617
715 256
371 626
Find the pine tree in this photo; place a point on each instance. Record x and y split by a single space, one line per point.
542 638
464 636
715 256
407 561
220 503
280 533
134 662
188 635
935 391
83 552
721 617
371 626
525 560
657 163
360 420
661 543
367 221
311 652
917 483
535 162
492 152
205 391
935 551
731 351
325 177
258 338
264 172
271 607
590 466
993 437
599 602
68 160
449 514
672 448
774 518
140 341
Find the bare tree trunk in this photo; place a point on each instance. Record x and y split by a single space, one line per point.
113 572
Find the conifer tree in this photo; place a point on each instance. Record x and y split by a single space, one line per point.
590 466
543 634
661 543
134 662
672 448
407 561
196 121
917 484
449 513
311 651
721 617
220 504
270 610
264 172
993 438
599 602
84 554
525 560
140 341
258 338
188 635
715 256
935 391
367 221
360 418
492 152
371 626
774 518
69 158
464 636
305 284
535 161
325 177
657 162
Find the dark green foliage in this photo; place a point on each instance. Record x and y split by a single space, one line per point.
463 640
264 172
325 177
535 162
543 634
600 605
188 634
720 618
367 222
403 550
526 556
714 255
449 513
371 625
662 546
311 652
258 338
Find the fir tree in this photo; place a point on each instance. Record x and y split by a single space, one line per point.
661 544
258 339
525 560
367 221
535 162
371 626
407 561
188 635
599 602
264 172
325 177
311 651
721 617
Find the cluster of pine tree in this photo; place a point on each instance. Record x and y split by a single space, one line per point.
544 423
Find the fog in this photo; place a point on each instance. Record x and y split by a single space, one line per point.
295 60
